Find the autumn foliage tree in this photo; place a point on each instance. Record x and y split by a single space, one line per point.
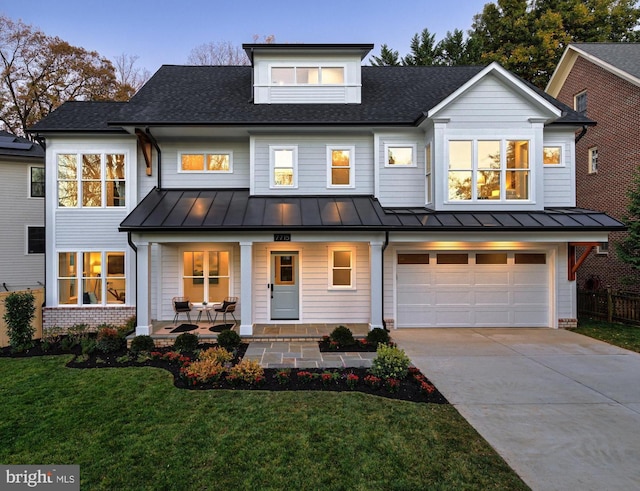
40 72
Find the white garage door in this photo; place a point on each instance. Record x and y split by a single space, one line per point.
472 289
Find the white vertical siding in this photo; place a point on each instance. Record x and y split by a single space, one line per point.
312 164
18 269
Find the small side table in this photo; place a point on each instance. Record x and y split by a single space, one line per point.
207 310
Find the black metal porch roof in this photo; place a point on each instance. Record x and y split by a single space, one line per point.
218 210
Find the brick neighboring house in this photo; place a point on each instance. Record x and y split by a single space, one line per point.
602 80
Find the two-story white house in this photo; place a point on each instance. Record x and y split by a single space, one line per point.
318 190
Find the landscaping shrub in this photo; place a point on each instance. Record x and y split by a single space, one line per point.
51 336
19 312
142 343
207 370
229 339
377 336
76 333
390 362
108 339
88 345
248 371
216 354
186 342
343 336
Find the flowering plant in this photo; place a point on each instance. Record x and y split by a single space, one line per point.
373 381
305 376
329 378
283 376
352 380
392 384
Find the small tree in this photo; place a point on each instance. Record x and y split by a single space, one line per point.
628 249
19 312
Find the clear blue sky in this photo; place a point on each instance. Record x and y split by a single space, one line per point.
164 32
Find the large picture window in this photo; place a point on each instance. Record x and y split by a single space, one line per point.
91 180
91 278
205 275
496 170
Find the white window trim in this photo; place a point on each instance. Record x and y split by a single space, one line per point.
575 101
204 153
78 276
29 182
560 145
414 153
352 251
205 250
103 177
272 150
352 169
503 170
320 66
428 173
590 167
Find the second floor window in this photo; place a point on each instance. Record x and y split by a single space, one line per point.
36 188
307 75
340 166
488 170
593 160
91 180
206 162
580 102
284 166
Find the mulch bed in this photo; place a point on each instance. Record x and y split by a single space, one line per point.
413 388
360 346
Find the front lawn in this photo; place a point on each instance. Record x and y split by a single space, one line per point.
623 335
130 428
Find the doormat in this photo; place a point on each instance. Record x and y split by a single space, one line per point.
221 327
185 328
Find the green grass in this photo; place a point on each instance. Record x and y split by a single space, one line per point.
623 335
130 429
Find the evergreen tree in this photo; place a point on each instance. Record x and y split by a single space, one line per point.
388 57
423 50
628 249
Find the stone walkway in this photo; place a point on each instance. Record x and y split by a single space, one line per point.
303 354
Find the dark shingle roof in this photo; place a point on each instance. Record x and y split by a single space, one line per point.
15 146
86 116
623 56
225 210
210 95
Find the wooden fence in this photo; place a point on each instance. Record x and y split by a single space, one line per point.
37 320
609 305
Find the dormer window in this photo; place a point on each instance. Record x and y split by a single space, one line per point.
307 75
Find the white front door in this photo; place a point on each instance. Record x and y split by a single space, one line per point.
284 286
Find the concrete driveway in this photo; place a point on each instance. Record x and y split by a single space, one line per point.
562 409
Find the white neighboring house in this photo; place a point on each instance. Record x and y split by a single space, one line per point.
318 190
22 179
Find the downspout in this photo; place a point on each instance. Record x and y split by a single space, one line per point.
582 133
159 152
43 143
384 248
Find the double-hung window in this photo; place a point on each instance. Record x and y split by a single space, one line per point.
36 182
489 170
342 268
92 180
340 166
284 166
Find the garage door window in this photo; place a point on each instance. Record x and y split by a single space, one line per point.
453 259
492 258
521 258
413 258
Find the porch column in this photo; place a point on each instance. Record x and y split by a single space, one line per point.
375 266
143 289
246 288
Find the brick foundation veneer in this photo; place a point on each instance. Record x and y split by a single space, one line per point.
567 323
614 104
92 316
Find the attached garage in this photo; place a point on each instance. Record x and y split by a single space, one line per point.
473 289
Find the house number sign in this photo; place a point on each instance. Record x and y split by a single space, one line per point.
282 237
